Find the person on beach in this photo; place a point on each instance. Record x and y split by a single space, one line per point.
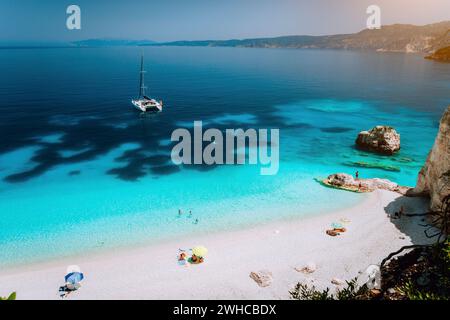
196 260
398 214
190 214
182 259
196 221
357 175
179 212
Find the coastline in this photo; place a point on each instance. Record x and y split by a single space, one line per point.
152 272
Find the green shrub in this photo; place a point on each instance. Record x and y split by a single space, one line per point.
411 292
12 296
351 292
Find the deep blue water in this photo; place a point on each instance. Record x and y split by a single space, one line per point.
81 170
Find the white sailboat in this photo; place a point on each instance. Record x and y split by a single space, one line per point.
143 102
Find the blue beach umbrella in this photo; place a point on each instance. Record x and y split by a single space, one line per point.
74 277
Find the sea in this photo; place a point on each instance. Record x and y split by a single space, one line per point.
82 171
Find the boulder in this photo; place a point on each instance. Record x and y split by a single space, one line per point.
434 178
381 139
263 278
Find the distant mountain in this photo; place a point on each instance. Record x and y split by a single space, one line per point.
393 38
442 55
110 43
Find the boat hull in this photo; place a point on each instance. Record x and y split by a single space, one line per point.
145 105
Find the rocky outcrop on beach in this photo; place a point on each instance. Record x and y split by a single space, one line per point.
434 178
262 278
347 182
381 139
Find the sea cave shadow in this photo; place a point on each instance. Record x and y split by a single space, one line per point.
413 227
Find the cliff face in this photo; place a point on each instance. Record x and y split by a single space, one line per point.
434 178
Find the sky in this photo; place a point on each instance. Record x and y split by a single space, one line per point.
168 20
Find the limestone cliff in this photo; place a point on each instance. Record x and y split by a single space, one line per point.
434 178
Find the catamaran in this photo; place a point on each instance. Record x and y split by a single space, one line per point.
143 102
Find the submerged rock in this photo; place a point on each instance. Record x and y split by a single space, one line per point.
381 139
263 278
434 178
372 165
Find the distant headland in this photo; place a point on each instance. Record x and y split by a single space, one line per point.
390 38
425 39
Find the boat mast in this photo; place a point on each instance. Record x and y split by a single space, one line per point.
141 79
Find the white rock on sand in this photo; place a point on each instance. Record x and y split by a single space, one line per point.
337 281
152 271
310 267
262 278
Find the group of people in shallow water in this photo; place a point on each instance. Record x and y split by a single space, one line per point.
180 213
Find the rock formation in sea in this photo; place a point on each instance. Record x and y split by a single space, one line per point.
434 178
347 182
381 139
442 55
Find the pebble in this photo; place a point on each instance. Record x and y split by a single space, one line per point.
310 267
337 281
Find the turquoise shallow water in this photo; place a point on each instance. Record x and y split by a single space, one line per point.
81 171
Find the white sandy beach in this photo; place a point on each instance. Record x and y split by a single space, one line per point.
152 272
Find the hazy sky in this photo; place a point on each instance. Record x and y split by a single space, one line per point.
165 20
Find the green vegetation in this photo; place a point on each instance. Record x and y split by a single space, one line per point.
436 268
12 296
351 292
